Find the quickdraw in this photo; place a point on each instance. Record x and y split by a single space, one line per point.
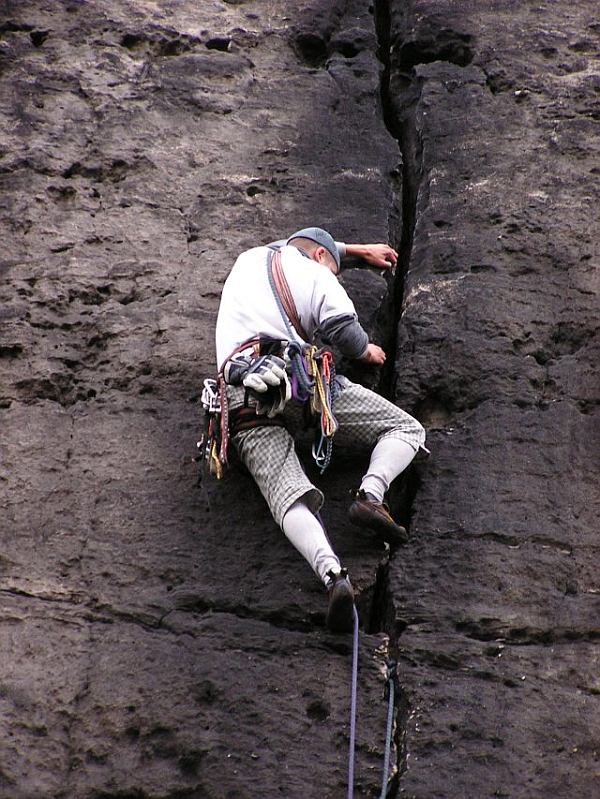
322 372
213 444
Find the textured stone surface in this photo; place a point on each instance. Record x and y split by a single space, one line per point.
496 604
164 640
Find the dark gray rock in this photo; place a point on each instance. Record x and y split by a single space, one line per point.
496 601
162 639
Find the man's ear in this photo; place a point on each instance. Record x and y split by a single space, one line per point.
320 255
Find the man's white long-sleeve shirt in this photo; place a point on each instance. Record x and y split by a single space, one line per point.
248 308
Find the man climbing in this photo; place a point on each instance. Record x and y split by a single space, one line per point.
254 307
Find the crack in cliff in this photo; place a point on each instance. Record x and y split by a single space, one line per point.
400 90
89 609
72 745
509 635
92 610
293 619
510 541
398 108
398 104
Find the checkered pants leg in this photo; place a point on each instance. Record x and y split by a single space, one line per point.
365 418
269 454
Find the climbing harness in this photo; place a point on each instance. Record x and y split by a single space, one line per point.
245 418
221 424
312 382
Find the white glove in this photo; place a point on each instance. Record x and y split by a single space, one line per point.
265 372
274 401
236 368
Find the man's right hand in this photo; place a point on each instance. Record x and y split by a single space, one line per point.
374 354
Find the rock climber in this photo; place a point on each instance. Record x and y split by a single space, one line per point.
249 311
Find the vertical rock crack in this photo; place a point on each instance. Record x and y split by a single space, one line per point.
400 92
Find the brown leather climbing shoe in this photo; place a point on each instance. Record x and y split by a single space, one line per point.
366 511
340 614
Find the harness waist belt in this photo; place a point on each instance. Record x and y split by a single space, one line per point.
246 418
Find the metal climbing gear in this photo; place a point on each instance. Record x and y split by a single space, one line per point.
322 372
215 438
214 442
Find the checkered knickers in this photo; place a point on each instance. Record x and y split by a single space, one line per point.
269 454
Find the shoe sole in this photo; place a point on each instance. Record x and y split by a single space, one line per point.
340 616
391 534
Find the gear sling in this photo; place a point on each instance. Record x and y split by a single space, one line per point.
312 382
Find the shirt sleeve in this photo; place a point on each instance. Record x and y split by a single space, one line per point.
336 316
330 298
346 333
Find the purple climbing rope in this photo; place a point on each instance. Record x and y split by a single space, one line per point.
353 705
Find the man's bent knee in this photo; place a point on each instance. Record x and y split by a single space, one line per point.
409 430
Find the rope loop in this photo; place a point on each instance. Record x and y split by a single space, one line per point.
319 364
302 379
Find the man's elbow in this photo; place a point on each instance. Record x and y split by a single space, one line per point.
346 333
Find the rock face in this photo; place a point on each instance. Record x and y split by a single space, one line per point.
162 639
496 608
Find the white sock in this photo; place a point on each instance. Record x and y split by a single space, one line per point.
390 457
304 531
